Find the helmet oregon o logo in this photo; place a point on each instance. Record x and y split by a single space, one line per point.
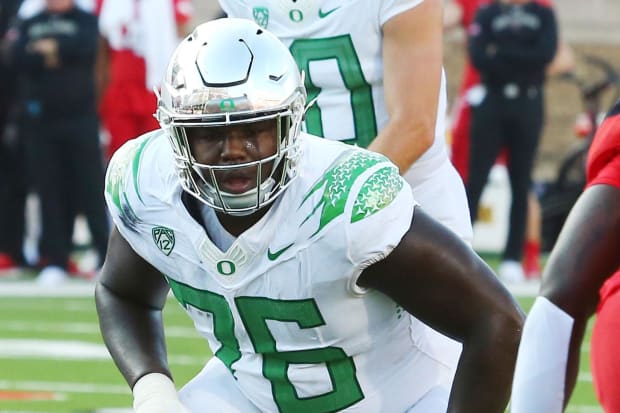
226 267
296 15
227 105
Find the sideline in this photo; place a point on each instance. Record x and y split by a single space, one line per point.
80 288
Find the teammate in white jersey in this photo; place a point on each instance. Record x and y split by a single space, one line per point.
297 258
375 70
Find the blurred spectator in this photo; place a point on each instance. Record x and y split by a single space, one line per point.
13 184
55 52
138 39
510 43
461 13
31 7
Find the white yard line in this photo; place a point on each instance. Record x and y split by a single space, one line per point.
528 288
83 328
584 408
52 349
38 304
43 327
74 350
73 288
585 376
64 387
94 411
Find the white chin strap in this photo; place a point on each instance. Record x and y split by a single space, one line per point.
540 374
233 203
249 199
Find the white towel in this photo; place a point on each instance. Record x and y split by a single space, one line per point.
147 27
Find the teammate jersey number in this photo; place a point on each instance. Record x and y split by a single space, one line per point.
254 312
340 49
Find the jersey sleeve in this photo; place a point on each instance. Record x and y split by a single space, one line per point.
379 214
604 156
359 203
120 194
390 8
124 196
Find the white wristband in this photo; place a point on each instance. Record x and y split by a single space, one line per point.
156 393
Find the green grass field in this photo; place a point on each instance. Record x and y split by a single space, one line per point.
52 358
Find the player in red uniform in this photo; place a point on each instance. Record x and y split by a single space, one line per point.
138 38
582 277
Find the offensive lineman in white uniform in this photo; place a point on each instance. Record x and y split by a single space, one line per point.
296 257
375 68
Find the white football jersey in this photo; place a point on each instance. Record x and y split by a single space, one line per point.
281 308
338 45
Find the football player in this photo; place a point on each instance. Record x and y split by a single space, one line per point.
375 70
299 259
581 277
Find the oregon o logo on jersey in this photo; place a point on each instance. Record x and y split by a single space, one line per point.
226 267
296 15
164 239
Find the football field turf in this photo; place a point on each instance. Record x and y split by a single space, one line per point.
52 358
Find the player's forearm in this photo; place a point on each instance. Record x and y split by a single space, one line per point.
484 375
133 334
539 378
404 144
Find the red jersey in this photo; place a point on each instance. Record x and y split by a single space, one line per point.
604 168
128 71
468 10
604 155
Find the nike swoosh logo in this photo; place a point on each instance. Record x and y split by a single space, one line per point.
274 255
323 14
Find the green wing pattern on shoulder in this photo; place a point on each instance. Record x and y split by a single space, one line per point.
137 157
379 190
125 158
337 182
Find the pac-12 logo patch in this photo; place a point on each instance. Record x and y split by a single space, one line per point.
164 239
261 16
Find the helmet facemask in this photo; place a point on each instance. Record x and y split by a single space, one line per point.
272 174
230 72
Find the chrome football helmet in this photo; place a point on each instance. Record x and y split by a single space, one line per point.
230 72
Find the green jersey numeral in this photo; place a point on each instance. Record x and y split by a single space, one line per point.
223 322
254 312
342 50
